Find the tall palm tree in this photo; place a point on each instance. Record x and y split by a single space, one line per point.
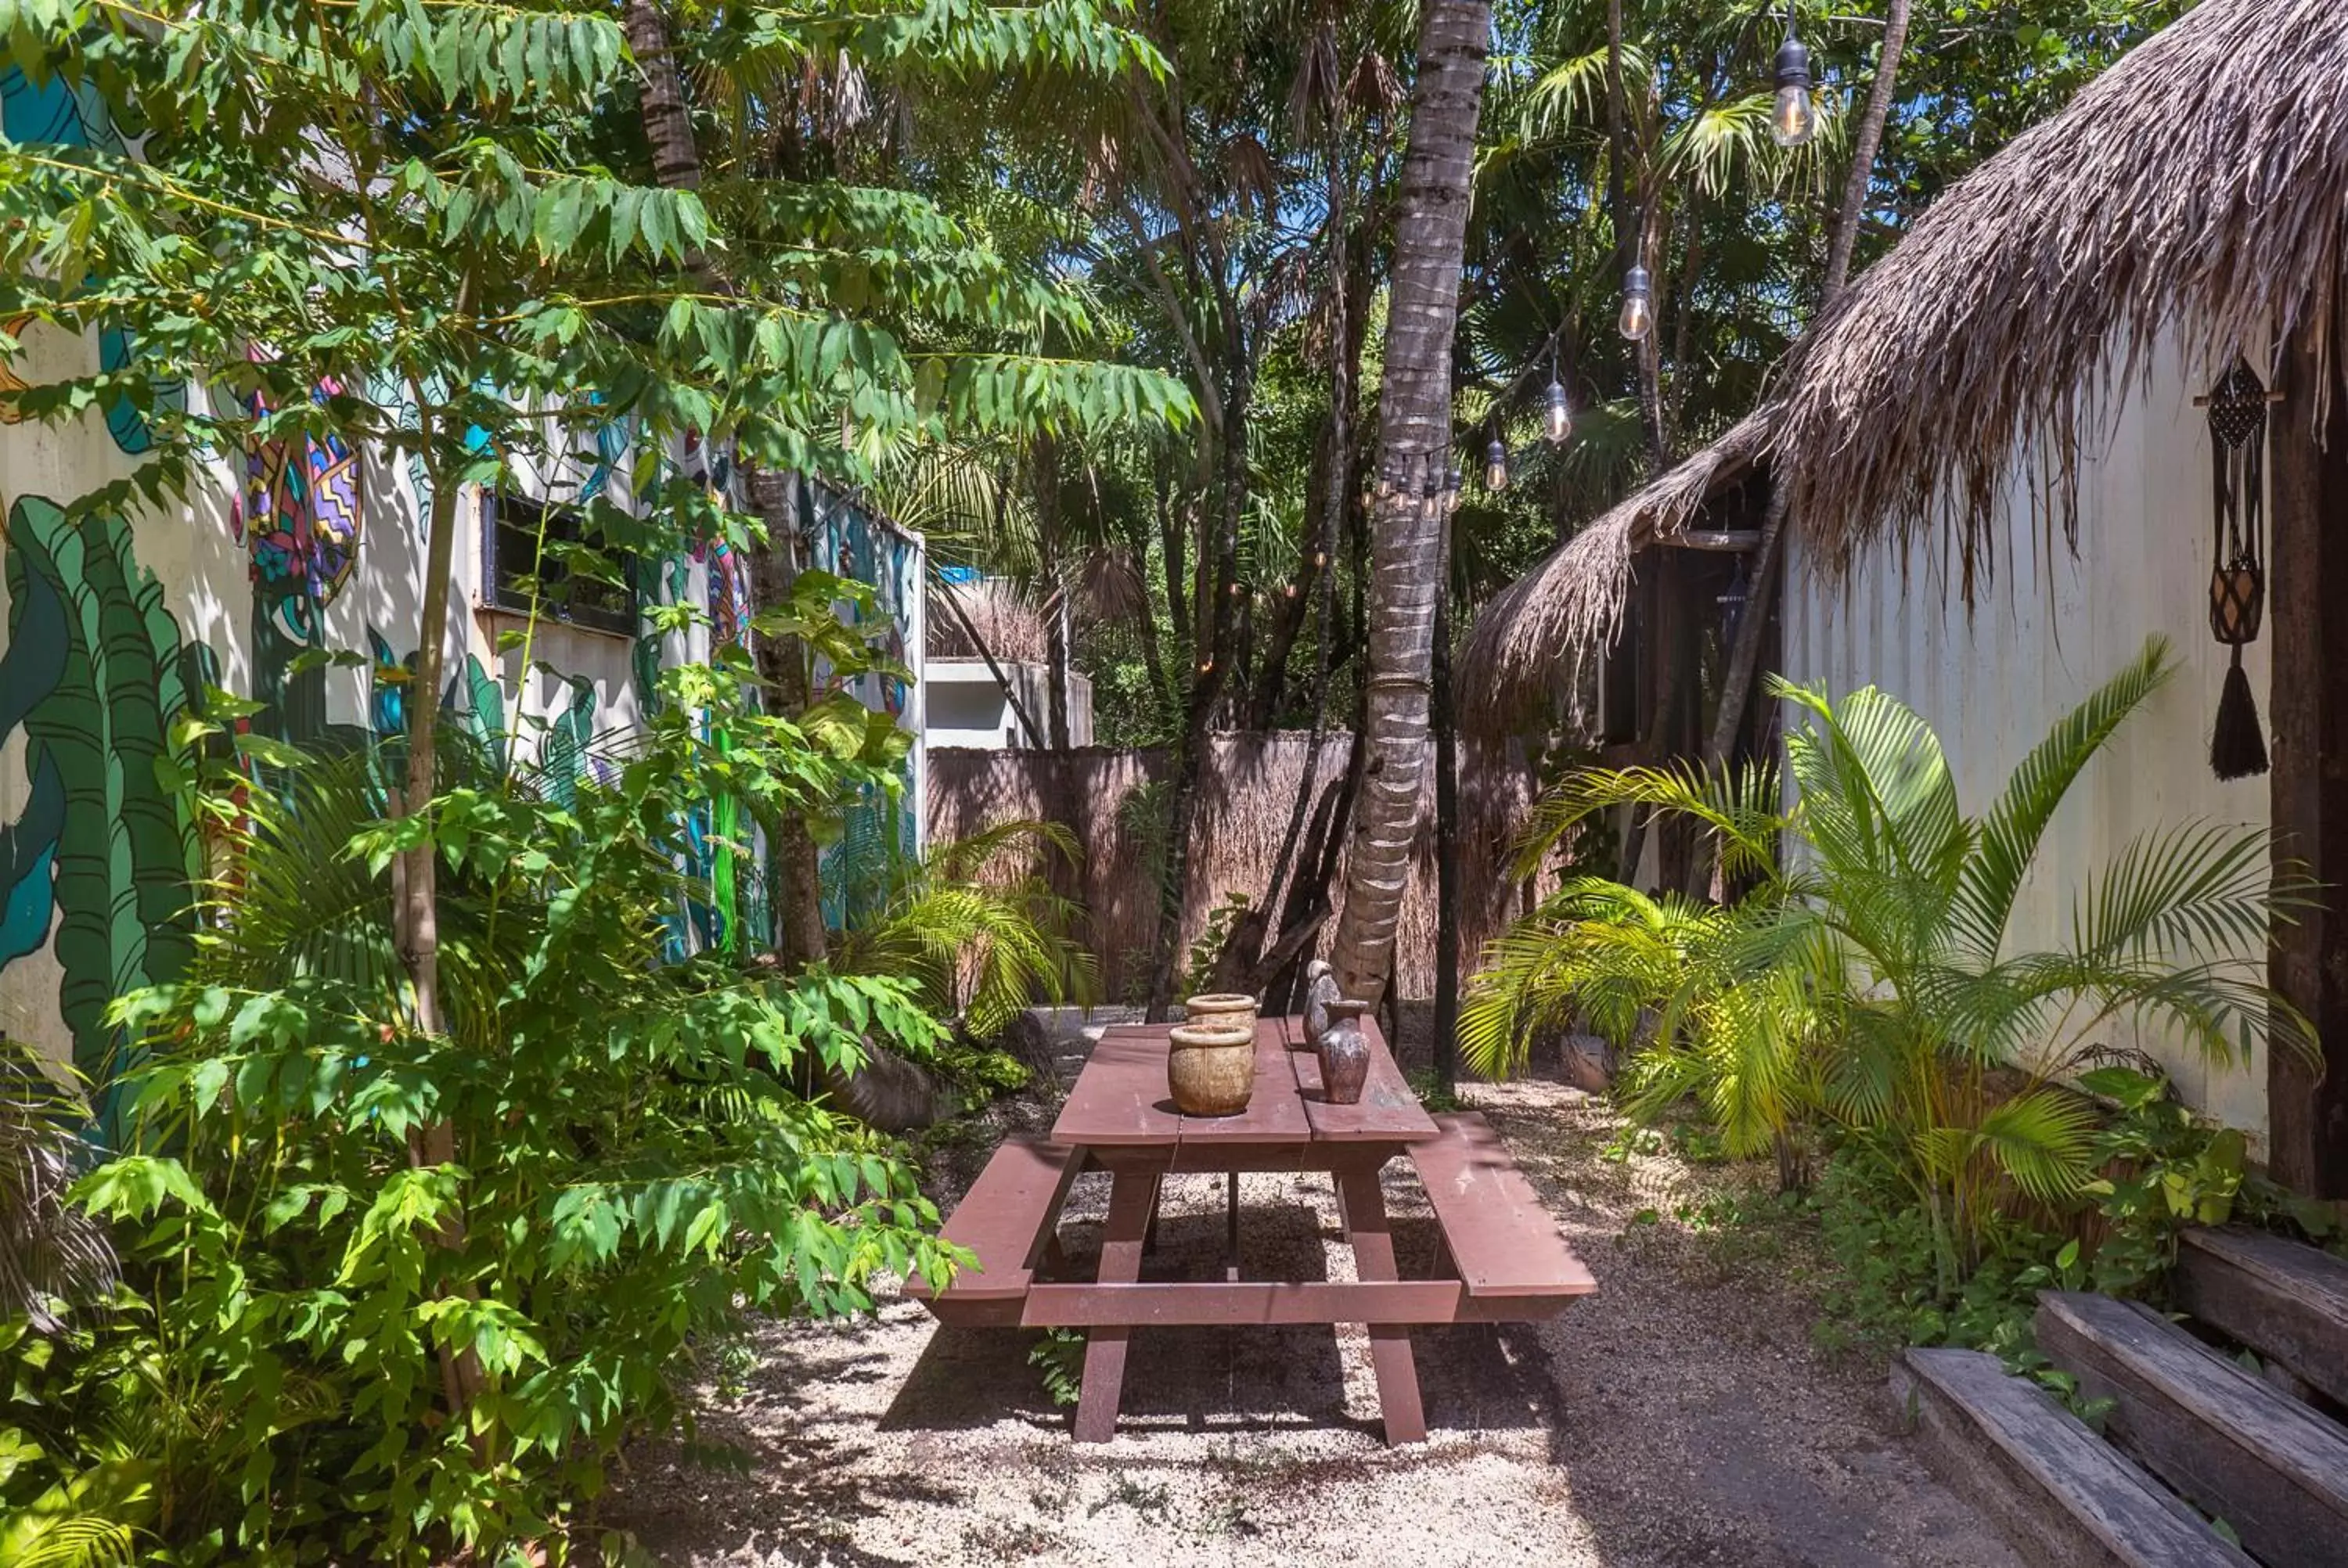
1406 513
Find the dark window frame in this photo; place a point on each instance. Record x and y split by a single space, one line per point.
612 610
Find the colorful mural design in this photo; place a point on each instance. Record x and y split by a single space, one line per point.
59 113
877 835
95 671
301 518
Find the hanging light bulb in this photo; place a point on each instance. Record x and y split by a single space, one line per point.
1638 318
1557 414
1732 600
1795 118
1495 465
1451 491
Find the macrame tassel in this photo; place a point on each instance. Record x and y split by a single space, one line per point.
2237 746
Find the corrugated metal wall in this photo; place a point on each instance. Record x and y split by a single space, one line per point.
2049 628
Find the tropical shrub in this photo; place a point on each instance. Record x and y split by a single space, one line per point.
1869 981
980 943
398 1294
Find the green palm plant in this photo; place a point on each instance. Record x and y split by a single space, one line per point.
980 941
1871 979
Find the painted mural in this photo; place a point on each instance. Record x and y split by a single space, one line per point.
59 113
293 577
95 864
878 833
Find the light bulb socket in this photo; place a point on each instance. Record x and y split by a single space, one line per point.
1793 64
1635 283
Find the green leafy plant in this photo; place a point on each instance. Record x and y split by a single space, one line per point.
1869 981
2160 1169
1207 950
631 1170
980 940
1059 1359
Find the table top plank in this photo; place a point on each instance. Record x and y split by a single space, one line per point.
1388 1112
1120 1098
1115 1100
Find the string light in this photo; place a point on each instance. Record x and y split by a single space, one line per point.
1557 414
1638 318
1495 465
1793 119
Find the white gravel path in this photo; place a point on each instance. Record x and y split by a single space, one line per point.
1680 1417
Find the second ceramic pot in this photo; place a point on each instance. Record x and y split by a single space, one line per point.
1221 1007
1211 1070
1320 990
1344 1053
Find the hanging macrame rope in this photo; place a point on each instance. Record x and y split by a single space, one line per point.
2237 573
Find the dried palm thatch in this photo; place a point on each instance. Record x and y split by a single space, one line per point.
1569 603
2199 187
1010 625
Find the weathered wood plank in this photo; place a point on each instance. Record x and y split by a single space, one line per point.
1006 1218
2307 793
1503 1241
2060 1494
2232 1446
1387 1111
2286 1301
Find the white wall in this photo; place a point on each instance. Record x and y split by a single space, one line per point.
966 705
2046 631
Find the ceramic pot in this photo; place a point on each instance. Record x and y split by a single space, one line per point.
1222 1008
1210 1070
1320 990
1344 1053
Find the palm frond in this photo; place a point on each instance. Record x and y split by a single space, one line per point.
2010 833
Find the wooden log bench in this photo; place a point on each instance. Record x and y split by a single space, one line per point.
1007 1219
2060 1493
2229 1443
2286 1301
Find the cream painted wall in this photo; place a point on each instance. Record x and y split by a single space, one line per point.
2049 628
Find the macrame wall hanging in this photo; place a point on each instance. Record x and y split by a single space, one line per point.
2238 560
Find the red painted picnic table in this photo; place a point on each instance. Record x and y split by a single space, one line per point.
1120 1118
1502 1258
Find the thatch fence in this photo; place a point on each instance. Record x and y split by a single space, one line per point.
1247 790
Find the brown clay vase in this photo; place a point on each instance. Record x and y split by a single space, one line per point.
1221 1008
1320 990
1211 1070
1344 1053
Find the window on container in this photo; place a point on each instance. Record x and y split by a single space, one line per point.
511 536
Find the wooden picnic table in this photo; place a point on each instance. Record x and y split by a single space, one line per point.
1505 1259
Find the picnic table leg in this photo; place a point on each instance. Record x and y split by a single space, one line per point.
1373 1260
1132 1206
1231 1226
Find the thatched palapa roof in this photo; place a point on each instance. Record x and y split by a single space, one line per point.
1569 603
2198 187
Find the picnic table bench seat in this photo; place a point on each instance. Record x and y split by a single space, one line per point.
1007 1219
1503 1244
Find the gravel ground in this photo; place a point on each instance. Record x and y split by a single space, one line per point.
1679 1416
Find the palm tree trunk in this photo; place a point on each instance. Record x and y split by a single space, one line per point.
774 566
1414 445
800 936
668 126
1446 1044
1737 681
